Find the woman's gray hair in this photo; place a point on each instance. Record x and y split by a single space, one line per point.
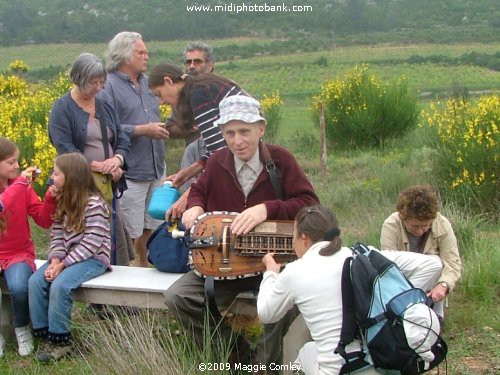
121 48
86 67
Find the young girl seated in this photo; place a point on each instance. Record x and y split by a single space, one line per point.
18 200
79 251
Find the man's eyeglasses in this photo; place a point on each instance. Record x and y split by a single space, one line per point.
194 62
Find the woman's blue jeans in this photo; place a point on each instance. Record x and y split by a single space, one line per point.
17 276
51 303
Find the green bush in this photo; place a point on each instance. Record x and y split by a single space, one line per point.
321 61
360 110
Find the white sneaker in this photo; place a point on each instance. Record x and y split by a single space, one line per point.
2 346
24 340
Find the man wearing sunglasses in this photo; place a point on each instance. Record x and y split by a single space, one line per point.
198 59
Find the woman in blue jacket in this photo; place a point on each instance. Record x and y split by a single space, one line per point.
82 122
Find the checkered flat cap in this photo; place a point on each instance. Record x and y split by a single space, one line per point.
239 107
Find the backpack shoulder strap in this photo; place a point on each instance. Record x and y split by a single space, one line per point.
355 360
360 248
104 130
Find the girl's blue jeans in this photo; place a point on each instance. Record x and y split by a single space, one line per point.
17 276
50 304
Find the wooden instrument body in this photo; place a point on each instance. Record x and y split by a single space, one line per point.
215 251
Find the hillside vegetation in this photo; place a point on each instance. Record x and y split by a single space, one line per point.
261 66
340 21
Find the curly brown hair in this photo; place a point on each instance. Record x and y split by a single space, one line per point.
418 202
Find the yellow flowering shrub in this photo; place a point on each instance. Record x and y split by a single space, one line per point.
469 140
362 110
24 111
165 111
12 86
18 66
271 105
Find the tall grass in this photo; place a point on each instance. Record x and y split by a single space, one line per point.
479 249
271 106
148 343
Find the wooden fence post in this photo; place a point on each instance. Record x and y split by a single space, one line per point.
322 136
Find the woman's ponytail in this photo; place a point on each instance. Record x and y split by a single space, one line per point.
320 224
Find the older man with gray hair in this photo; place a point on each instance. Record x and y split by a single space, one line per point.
128 91
236 180
199 58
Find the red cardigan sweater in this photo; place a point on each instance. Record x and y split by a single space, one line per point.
20 201
218 189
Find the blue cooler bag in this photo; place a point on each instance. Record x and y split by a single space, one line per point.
169 254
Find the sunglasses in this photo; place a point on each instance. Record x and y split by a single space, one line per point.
194 62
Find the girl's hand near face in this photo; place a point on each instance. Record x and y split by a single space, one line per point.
270 263
53 191
28 173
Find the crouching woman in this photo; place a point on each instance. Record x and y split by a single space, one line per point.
313 283
79 251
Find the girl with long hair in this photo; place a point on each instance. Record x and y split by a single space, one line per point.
79 251
18 200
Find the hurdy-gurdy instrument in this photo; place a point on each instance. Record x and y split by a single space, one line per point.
215 251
